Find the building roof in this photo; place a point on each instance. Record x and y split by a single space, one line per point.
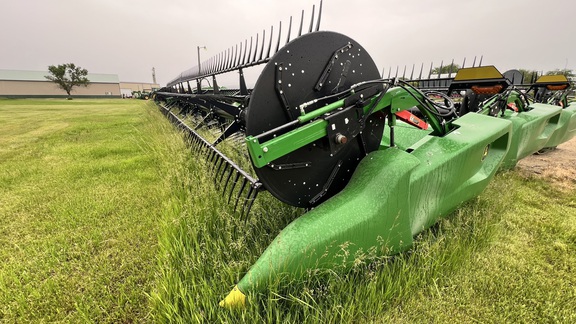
21 75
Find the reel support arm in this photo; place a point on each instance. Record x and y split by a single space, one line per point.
312 126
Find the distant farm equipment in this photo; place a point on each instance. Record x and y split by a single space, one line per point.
145 95
375 160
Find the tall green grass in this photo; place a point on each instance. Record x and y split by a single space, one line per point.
466 268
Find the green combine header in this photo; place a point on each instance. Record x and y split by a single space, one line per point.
373 160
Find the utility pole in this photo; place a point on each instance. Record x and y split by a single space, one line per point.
153 75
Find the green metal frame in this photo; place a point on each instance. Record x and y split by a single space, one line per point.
314 128
433 179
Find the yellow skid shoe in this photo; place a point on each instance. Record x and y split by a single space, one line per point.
235 299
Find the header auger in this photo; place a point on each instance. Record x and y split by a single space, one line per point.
374 160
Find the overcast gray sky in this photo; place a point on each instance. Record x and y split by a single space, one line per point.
129 37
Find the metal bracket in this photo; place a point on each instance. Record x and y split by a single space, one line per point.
289 166
327 185
343 126
330 65
280 91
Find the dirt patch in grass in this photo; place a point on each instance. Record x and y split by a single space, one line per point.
558 165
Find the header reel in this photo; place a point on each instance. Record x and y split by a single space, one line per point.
318 108
312 67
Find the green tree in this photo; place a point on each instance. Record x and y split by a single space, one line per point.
529 76
450 68
567 72
67 76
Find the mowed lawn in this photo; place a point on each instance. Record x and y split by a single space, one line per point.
80 203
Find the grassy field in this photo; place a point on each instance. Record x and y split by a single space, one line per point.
80 206
107 217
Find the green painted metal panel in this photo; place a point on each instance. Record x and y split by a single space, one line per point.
405 135
264 153
364 215
531 131
566 127
426 176
421 184
457 168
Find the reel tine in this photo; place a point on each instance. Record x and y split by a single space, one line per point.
441 66
234 185
245 50
234 64
246 202
263 44
319 16
244 182
421 69
226 59
213 157
239 62
289 31
301 23
226 167
193 142
312 19
252 194
232 171
222 60
279 36
227 66
199 147
481 57
255 49
270 42
219 164
250 51
241 54
216 171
